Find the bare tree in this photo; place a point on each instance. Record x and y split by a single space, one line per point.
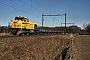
87 28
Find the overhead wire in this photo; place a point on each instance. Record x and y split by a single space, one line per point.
17 3
37 3
16 8
32 1
29 5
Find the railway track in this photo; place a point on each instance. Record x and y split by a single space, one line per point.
12 36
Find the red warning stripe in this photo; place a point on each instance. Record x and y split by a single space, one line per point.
25 23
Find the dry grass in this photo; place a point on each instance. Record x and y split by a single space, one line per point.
4 34
31 48
82 47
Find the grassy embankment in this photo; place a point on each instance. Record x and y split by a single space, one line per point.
83 47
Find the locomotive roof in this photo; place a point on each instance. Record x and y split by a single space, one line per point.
21 17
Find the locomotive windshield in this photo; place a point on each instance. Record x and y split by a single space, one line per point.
19 18
22 18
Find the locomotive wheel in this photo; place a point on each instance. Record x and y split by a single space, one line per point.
14 33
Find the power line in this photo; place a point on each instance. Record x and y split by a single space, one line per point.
20 5
34 2
16 8
38 4
31 2
17 3
29 5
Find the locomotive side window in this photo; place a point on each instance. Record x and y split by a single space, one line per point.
35 25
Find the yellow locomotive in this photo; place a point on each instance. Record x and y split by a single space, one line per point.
21 25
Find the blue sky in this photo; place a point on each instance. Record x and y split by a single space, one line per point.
77 11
